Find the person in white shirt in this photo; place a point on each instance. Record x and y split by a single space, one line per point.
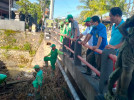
87 31
90 42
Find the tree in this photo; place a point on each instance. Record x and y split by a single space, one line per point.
33 9
24 7
99 7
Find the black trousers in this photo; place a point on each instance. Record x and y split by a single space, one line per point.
72 47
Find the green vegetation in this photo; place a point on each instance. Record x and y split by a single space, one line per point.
32 52
10 42
9 32
99 7
34 9
5 55
21 66
14 40
27 46
23 59
41 37
6 47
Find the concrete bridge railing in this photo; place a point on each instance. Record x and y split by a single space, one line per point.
89 86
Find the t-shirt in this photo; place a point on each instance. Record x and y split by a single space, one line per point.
88 31
39 79
74 25
55 53
116 36
99 31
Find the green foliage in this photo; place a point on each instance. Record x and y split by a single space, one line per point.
9 32
5 55
21 66
26 26
27 46
6 47
14 40
32 52
56 20
34 9
41 37
99 7
16 48
25 6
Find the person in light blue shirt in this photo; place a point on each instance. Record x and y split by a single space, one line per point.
116 37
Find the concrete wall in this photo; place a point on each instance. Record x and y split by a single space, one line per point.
12 24
88 85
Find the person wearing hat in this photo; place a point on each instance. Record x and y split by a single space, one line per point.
53 57
37 83
90 42
67 32
2 78
87 31
74 31
61 30
67 28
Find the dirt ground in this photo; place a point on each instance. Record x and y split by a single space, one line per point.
54 87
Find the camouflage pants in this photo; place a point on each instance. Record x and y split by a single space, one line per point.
126 63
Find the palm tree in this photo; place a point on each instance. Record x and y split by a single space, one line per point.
99 7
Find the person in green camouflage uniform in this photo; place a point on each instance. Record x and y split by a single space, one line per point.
124 66
53 57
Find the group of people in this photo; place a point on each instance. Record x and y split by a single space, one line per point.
95 35
121 41
52 57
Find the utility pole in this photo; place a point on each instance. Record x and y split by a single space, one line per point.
51 9
9 9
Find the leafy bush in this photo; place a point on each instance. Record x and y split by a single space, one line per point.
14 40
27 46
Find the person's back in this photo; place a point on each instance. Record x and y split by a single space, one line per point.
2 78
39 77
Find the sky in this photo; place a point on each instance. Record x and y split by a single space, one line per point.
64 7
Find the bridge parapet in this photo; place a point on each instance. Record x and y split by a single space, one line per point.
89 86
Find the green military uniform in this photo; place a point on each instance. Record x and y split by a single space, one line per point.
53 57
125 64
2 78
37 83
61 30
